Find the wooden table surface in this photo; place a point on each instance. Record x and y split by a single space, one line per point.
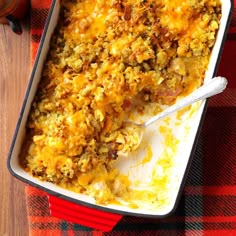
14 76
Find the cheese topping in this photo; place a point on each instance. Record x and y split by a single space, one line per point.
108 60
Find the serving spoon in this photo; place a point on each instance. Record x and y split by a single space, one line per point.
212 87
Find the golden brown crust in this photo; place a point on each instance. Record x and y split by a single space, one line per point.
104 56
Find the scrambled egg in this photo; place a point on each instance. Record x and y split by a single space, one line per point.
108 59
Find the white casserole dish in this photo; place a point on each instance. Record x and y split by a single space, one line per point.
177 139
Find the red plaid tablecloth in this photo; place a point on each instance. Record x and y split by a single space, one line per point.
208 204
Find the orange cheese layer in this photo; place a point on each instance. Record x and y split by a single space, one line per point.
109 60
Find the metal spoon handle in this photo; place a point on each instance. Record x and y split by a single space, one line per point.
213 87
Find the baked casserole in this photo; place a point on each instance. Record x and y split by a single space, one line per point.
109 60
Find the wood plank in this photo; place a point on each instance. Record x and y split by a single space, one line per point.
14 76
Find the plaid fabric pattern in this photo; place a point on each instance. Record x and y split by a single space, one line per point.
208 203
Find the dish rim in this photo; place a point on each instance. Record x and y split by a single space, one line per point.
87 204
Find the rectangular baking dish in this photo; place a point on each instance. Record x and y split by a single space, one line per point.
139 166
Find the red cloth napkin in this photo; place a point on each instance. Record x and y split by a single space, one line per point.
208 203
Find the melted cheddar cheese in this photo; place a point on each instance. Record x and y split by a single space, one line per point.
108 60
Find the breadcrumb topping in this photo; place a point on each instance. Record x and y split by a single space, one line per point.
107 59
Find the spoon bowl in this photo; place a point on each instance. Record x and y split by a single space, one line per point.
213 87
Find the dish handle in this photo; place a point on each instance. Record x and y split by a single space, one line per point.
83 215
